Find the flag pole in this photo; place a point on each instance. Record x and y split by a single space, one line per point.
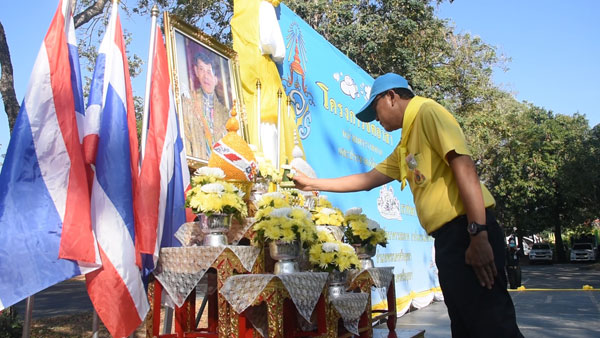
28 314
154 15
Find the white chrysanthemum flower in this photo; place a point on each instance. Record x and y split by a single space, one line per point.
305 212
327 211
331 247
354 211
275 194
210 171
281 212
372 225
215 188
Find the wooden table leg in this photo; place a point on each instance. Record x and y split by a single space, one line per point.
391 300
155 291
366 320
275 319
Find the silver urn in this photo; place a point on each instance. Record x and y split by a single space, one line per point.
365 255
286 255
214 227
337 283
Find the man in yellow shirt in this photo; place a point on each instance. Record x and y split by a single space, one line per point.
451 203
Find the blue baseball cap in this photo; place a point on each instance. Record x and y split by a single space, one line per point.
383 83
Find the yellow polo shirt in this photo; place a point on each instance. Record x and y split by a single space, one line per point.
433 134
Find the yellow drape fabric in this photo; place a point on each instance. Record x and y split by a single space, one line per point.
257 67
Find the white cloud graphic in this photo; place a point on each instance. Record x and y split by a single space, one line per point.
367 92
349 87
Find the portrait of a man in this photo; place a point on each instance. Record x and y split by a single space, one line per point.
206 96
205 123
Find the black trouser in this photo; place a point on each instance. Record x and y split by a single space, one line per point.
474 310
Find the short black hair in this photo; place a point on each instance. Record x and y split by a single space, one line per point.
206 59
404 93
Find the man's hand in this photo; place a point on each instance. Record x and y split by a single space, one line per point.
480 256
301 181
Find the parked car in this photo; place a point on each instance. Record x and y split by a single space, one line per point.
583 252
540 252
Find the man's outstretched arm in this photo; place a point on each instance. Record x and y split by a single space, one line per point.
350 183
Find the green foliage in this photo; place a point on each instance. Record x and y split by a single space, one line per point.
10 325
210 16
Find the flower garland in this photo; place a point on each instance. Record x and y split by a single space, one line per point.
362 230
329 256
211 194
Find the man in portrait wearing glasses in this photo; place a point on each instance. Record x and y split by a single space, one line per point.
206 116
451 203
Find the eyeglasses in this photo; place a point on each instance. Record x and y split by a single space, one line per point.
379 96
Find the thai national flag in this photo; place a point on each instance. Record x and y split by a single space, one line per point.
116 290
44 197
164 174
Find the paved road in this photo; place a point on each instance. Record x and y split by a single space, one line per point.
66 298
549 313
552 312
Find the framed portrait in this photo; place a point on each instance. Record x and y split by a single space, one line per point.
206 85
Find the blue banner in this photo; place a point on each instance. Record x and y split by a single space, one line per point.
327 89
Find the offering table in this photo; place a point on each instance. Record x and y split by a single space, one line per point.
178 272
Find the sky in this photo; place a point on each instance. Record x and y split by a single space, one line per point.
554 46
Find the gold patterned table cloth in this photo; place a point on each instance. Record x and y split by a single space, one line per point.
380 276
180 269
350 307
304 289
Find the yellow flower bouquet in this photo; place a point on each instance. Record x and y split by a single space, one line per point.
328 216
267 170
330 256
362 230
211 194
276 220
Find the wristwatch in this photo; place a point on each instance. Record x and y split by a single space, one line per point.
474 228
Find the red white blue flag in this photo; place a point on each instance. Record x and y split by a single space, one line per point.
164 174
45 222
116 289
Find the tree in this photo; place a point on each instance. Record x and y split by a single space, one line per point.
87 17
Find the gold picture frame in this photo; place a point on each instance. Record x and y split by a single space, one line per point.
206 84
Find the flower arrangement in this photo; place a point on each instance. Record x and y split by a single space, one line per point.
276 220
294 197
270 201
362 230
325 236
324 202
329 256
328 216
211 194
267 170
